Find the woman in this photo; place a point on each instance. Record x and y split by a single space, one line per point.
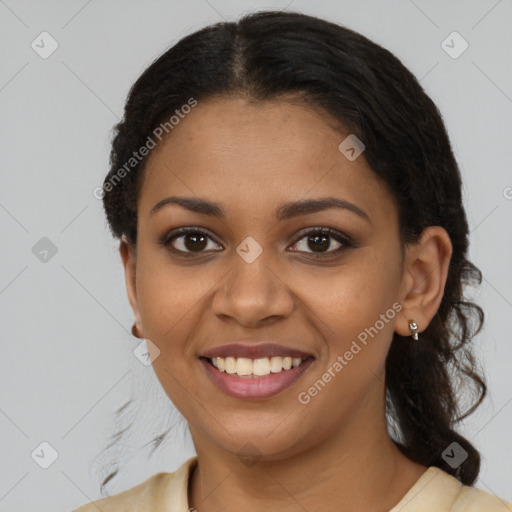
294 245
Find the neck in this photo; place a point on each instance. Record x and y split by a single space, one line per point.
358 467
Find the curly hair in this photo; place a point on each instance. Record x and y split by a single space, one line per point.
272 55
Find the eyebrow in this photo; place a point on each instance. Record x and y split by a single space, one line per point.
284 212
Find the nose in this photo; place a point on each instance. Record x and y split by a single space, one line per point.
252 294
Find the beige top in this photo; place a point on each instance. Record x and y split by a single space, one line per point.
434 491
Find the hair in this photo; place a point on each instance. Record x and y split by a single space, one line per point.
274 55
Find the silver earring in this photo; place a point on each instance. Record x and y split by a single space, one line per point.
413 327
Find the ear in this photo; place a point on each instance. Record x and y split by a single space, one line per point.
129 256
425 273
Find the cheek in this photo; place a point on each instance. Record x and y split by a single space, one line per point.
357 310
354 296
170 302
357 324
170 298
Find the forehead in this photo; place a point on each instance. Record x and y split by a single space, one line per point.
258 155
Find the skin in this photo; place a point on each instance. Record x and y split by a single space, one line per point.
333 453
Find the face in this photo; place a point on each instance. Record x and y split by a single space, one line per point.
255 272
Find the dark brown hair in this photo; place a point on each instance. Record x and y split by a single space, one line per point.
270 55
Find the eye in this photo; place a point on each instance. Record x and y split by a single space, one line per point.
194 240
319 240
189 240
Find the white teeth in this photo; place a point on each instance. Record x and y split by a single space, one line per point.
230 364
261 366
276 364
243 366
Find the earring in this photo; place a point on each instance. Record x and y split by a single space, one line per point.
413 327
135 332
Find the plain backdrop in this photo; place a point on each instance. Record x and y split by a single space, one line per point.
67 355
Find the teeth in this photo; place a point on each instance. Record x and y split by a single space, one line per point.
230 364
243 366
276 364
261 366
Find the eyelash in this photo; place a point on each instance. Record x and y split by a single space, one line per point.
328 232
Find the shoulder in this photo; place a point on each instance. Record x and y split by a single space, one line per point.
140 498
162 491
439 491
472 499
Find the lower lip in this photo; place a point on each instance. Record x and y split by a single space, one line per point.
254 387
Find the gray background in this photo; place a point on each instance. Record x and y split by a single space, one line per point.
67 356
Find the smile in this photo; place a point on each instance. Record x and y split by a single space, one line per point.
245 367
254 378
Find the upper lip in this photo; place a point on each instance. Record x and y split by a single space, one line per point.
254 351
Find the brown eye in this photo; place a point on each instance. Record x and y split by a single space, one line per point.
188 240
319 241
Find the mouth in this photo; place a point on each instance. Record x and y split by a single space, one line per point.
244 367
259 378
